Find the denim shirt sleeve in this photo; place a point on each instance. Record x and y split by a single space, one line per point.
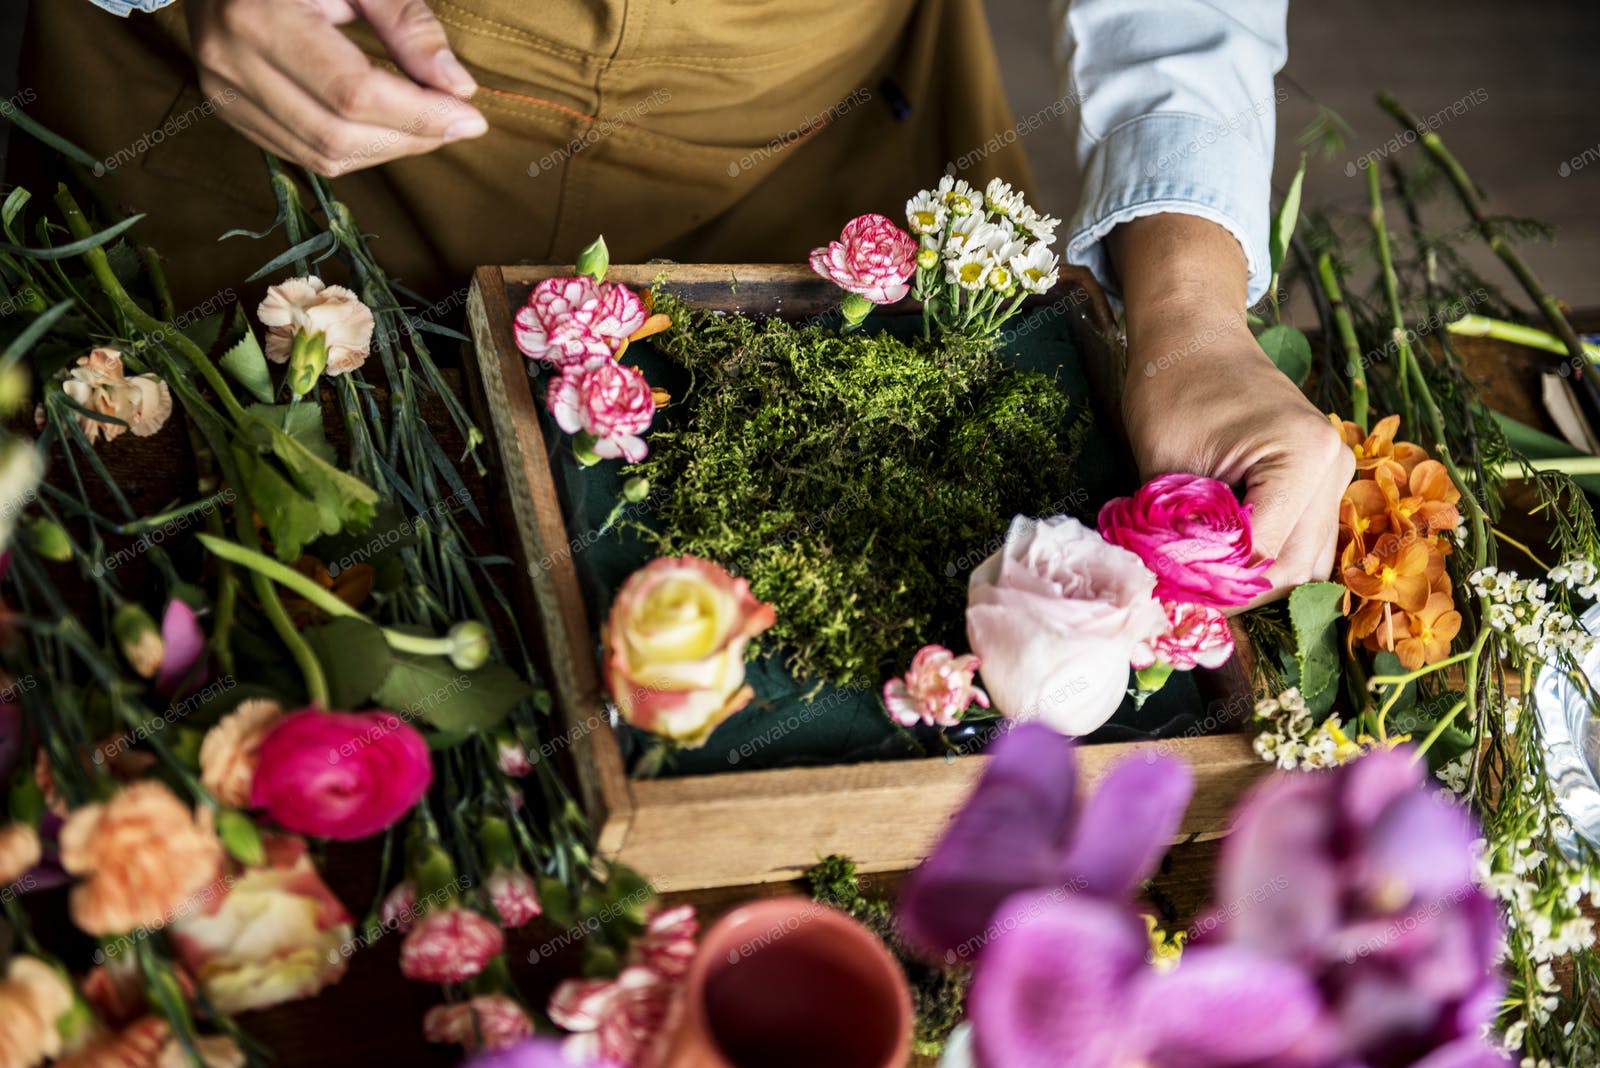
1177 114
128 7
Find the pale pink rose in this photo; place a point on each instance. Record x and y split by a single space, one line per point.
608 401
305 305
276 934
621 1019
936 690
499 1020
873 257
98 383
668 945
514 895
1057 616
1194 534
449 945
568 322
1196 636
399 909
674 647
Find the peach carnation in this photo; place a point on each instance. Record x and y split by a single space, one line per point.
33 996
98 384
19 851
306 304
229 752
142 856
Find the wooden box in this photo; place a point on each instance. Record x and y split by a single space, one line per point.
742 827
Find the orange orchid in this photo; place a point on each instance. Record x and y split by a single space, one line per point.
1429 633
1370 449
1363 514
1424 503
1399 571
352 586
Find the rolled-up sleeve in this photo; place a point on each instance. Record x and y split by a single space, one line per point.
1177 109
128 7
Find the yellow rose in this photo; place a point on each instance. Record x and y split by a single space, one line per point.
674 647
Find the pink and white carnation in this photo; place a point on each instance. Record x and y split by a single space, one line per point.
450 945
611 403
513 758
622 1019
500 1021
1057 616
514 895
1194 534
936 690
570 321
399 908
873 257
667 944
1196 636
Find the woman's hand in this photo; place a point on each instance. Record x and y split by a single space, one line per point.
283 75
1202 397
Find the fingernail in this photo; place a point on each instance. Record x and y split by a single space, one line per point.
454 74
471 126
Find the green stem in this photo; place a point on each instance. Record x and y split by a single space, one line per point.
1512 470
1353 366
1467 190
1529 336
1391 285
259 563
1438 729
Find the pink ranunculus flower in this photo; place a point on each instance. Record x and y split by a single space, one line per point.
275 935
1057 616
936 690
515 896
667 944
571 321
1194 534
449 945
873 257
1196 636
342 775
674 647
622 1019
500 1021
608 401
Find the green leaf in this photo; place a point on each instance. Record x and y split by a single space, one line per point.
247 365
556 899
1290 351
1537 445
74 248
303 422
292 519
1283 223
37 329
354 657
310 497
450 699
16 200
1314 613
318 243
241 837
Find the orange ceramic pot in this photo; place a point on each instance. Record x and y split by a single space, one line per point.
788 983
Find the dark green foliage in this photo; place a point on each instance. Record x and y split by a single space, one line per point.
854 480
938 995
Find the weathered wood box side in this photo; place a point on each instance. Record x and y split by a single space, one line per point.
743 827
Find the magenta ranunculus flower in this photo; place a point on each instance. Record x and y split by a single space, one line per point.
1194 534
342 775
449 945
1196 636
569 321
873 257
610 402
515 897
936 690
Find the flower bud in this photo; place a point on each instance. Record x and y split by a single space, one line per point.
855 308
636 489
583 444
594 260
469 645
140 640
238 832
14 389
308 356
47 538
928 258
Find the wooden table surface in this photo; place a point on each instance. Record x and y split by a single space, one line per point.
374 1015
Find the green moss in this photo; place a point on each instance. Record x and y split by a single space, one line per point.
854 480
938 995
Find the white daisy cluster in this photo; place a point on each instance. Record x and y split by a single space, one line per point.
1520 609
1291 739
978 250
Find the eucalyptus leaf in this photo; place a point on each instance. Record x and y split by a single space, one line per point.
436 690
354 657
1290 351
247 365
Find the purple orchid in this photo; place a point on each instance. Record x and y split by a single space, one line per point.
1024 830
1363 879
541 1052
1067 985
183 668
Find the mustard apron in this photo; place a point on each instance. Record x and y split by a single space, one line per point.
697 130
